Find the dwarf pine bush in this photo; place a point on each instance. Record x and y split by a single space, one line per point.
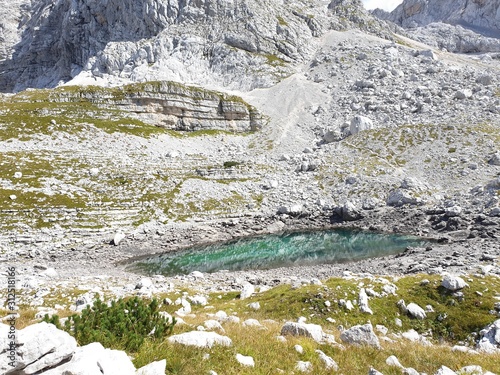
123 325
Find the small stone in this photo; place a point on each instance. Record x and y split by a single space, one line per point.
94 171
18 175
443 370
303 366
416 311
245 360
393 361
252 323
119 236
200 339
299 349
327 361
254 306
463 94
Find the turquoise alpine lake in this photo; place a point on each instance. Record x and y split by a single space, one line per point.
274 251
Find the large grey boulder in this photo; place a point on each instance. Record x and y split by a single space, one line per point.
313 331
200 339
38 347
360 335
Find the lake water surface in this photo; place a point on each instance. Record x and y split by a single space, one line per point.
273 251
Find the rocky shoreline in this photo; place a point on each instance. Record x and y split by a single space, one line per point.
458 251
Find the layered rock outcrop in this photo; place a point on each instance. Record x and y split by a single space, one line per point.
169 105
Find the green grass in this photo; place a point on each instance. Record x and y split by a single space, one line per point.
285 303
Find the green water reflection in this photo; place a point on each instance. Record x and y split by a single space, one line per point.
273 251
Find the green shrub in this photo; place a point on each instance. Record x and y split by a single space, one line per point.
229 164
124 325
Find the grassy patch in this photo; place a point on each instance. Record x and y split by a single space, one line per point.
285 303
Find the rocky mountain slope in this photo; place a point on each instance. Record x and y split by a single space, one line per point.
180 123
240 45
481 14
458 26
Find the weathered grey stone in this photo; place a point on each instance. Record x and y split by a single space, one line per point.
327 361
453 283
416 311
360 123
302 366
360 335
313 331
489 341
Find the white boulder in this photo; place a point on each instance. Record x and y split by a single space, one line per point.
247 291
200 339
453 283
490 338
415 311
94 359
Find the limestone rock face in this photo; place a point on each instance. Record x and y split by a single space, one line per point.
39 346
240 45
478 13
458 26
